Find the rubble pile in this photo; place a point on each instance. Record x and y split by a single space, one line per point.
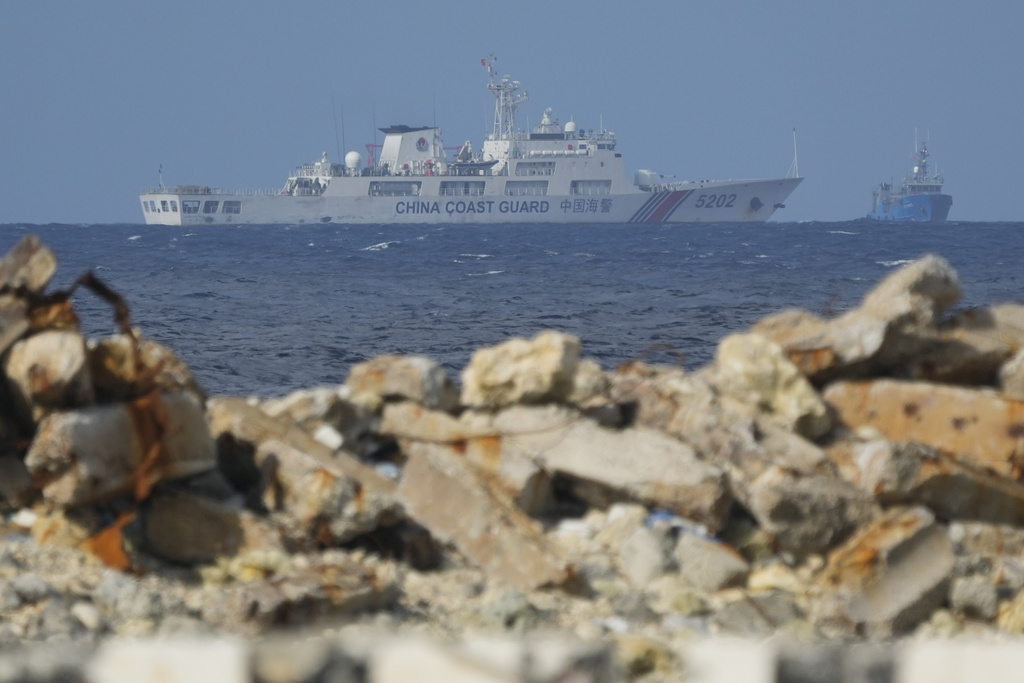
834 480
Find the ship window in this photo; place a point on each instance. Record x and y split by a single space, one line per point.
391 188
231 206
190 206
174 206
535 168
462 188
590 187
163 205
210 206
520 188
145 206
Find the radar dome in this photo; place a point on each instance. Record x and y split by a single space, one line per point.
352 160
570 127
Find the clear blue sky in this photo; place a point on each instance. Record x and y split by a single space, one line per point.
97 95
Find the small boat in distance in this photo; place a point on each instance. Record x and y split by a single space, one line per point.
553 174
919 197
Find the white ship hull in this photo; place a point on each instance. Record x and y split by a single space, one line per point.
710 202
552 174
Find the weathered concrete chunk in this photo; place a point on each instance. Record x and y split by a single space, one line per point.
86 455
911 473
14 322
329 585
240 428
444 494
28 264
311 501
331 408
786 482
806 513
976 424
416 378
889 576
895 322
754 370
192 530
1010 376
709 565
115 377
49 371
538 370
971 346
636 463
15 482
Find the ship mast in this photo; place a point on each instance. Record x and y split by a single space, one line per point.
506 103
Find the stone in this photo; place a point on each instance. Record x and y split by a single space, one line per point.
971 347
765 464
444 494
1011 376
709 565
310 500
911 473
116 377
642 557
189 529
15 481
895 322
28 264
94 453
608 466
14 320
49 371
323 408
240 428
888 577
942 660
329 585
753 369
974 599
538 370
979 425
416 378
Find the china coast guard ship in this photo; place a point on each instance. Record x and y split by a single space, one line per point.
919 197
553 174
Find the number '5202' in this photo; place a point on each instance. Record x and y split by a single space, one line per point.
719 201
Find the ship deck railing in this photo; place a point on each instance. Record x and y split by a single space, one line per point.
194 190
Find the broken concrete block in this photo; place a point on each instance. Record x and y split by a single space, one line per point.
331 584
911 473
979 425
643 557
1011 376
49 371
86 455
416 378
538 370
889 576
14 322
112 366
974 599
240 428
15 482
709 565
323 408
28 264
444 494
608 466
971 347
311 501
895 322
189 529
754 370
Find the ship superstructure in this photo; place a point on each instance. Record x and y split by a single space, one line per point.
553 173
918 198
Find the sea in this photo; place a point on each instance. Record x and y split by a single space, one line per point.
265 310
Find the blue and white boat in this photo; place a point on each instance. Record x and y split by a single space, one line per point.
919 197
